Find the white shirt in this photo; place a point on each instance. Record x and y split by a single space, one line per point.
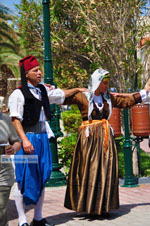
145 97
16 104
98 100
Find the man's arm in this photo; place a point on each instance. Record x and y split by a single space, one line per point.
70 92
57 96
27 146
15 104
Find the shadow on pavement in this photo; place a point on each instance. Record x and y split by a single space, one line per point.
113 214
61 218
12 212
73 216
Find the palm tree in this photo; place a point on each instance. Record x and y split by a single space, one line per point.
8 42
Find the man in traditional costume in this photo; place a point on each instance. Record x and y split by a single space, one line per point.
29 110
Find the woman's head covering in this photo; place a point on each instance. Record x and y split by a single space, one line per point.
95 80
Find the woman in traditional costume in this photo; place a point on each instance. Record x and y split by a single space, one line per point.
93 178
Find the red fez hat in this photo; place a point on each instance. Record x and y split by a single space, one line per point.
29 62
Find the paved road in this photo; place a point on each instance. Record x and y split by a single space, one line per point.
134 209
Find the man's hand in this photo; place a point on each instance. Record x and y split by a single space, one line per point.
27 146
49 86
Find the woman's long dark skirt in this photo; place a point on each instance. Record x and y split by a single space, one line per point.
93 177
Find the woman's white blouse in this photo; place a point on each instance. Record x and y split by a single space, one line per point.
16 103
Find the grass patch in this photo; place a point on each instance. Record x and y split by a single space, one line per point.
144 162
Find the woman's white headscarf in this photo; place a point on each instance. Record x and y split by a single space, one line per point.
95 80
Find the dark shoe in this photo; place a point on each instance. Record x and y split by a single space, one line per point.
105 215
25 224
42 222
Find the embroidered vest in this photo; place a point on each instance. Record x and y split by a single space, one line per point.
32 107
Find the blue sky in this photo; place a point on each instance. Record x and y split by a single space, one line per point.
10 3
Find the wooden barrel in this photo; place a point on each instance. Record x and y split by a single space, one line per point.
140 120
115 122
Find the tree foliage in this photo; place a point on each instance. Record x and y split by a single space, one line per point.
85 35
29 23
7 34
99 34
8 42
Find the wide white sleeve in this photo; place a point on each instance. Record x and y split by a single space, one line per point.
55 96
16 104
148 98
144 96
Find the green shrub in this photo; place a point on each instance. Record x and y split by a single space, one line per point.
144 162
121 167
65 153
71 119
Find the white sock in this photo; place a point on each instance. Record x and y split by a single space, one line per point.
19 205
38 207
